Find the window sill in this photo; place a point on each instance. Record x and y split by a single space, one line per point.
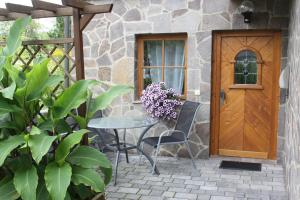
137 102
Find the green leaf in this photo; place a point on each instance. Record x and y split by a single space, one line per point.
107 172
83 192
88 157
51 82
61 126
37 81
6 146
26 182
6 107
9 91
80 120
65 146
14 37
8 125
68 197
46 125
71 98
40 145
16 75
87 177
22 161
42 192
7 189
57 180
105 99
35 131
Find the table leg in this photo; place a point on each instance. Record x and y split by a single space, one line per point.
149 159
142 150
116 167
124 144
117 156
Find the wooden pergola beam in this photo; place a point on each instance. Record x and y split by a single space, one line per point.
85 20
75 3
45 42
14 15
3 12
105 8
43 5
38 12
19 8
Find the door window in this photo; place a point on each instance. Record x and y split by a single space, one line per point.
245 68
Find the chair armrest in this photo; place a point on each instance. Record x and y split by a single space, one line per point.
165 133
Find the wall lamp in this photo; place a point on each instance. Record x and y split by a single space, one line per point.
246 9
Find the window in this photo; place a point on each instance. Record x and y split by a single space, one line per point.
245 68
162 58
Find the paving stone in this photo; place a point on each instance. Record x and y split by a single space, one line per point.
192 182
168 194
132 196
144 192
221 198
128 190
186 195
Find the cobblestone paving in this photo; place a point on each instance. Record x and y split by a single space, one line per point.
179 180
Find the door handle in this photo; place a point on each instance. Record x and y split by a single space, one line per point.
222 97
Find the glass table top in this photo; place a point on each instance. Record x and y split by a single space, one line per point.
122 122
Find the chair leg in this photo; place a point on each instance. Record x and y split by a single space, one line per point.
155 158
190 152
116 167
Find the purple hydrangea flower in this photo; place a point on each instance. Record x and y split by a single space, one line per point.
161 102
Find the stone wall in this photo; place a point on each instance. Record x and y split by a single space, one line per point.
292 144
110 49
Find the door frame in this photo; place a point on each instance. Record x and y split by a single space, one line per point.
216 85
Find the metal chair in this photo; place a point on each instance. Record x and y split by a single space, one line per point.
180 134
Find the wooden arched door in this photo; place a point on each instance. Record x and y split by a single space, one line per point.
245 96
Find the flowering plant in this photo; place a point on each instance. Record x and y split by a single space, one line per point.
161 102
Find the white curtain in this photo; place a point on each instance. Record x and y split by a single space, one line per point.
174 65
156 59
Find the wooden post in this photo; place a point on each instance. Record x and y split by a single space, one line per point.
79 58
78 43
67 34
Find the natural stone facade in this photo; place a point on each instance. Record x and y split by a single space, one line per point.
110 51
292 151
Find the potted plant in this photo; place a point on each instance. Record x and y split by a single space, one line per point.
161 102
41 156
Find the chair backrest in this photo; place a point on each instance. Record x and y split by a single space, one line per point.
186 117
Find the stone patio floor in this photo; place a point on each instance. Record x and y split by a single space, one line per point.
179 180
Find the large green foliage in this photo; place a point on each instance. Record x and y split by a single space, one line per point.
42 157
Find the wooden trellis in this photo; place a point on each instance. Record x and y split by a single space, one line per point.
82 13
32 50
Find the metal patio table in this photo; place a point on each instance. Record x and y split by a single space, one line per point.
124 123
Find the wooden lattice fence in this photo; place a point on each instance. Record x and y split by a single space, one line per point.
59 51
